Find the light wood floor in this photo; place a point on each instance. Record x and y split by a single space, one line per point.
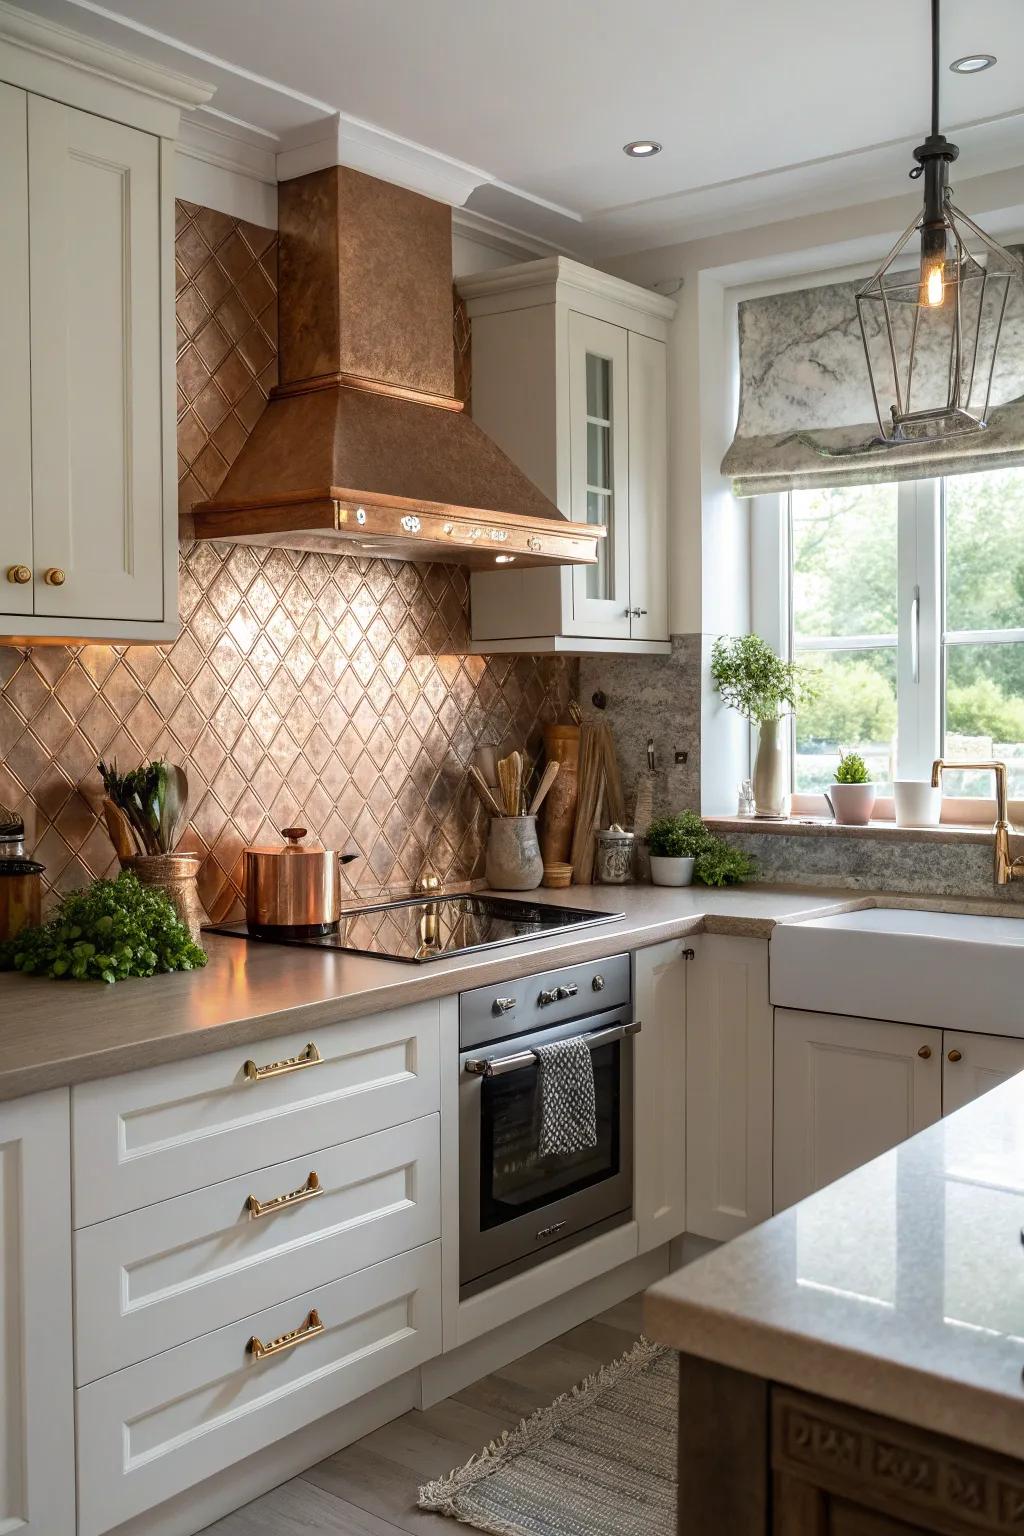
369 1488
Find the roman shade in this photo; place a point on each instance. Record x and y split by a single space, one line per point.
806 413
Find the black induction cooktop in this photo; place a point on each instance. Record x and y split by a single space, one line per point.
418 929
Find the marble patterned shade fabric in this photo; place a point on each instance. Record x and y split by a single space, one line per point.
600 1461
806 415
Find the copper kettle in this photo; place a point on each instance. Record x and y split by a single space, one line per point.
292 890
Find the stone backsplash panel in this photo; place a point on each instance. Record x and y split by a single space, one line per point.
327 690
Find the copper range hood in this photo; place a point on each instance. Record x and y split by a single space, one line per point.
363 445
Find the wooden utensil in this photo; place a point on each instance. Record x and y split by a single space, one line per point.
510 778
483 791
547 778
119 830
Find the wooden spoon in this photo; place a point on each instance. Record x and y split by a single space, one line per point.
547 778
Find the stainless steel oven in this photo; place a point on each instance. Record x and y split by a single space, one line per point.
515 1207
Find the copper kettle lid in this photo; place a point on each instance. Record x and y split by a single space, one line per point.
291 846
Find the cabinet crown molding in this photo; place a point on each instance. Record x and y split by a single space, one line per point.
554 277
46 39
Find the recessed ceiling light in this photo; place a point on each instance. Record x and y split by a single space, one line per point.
642 149
973 63
504 559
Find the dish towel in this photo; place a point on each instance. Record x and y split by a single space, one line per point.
565 1104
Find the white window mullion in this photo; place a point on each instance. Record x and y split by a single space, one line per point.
919 648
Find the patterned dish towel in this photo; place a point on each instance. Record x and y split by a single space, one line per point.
565 1104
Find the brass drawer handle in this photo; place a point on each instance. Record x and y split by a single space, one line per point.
954 1056
54 576
19 575
308 1191
924 1052
309 1330
310 1057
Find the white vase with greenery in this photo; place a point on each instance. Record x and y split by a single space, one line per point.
753 680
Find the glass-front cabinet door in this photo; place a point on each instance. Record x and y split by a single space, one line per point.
599 470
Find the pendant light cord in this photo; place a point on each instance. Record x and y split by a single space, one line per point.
935 68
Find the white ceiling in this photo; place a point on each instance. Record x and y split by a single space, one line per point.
764 106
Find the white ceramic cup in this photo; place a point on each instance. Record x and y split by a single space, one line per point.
917 803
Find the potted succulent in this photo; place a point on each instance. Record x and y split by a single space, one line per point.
851 797
682 849
752 679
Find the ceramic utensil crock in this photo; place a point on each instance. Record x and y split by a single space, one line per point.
513 854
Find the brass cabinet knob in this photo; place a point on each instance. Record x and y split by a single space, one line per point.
54 576
925 1052
19 574
954 1056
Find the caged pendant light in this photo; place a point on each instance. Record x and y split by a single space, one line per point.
931 331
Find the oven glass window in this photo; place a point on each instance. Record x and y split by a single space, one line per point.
515 1179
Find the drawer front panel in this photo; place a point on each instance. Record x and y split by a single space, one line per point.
151 1135
155 1278
148 1432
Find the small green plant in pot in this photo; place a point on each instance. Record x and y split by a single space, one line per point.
682 849
851 796
759 684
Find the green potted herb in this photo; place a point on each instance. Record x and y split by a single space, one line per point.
759 684
683 849
851 797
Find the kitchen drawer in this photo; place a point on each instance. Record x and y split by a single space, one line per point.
156 1428
148 1136
154 1278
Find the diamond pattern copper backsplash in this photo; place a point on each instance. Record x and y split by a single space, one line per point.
325 690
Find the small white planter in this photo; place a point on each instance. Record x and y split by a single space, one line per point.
666 871
852 804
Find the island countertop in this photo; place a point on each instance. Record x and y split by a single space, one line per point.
898 1289
53 1034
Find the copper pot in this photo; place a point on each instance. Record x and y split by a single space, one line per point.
21 895
294 890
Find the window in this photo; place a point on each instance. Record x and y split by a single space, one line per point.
908 600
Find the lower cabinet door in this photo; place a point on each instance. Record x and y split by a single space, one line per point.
158 1277
846 1090
972 1064
659 1078
37 1408
148 1432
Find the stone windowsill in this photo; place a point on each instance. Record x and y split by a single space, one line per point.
881 831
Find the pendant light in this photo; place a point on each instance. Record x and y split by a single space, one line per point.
932 315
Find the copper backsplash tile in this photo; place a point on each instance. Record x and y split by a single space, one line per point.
325 690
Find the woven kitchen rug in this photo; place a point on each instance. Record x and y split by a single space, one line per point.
600 1461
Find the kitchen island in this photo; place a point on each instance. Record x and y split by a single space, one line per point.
843 1365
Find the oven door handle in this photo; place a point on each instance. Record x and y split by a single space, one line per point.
481 1066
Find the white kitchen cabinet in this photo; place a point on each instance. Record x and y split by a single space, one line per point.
569 377
37 1448
972 1064
659 1092
88 539
846 1090
728 1087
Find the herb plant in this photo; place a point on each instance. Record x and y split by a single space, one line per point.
852 769
752 679
686 837
110 930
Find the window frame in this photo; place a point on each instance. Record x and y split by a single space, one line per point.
922 640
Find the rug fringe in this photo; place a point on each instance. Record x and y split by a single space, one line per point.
440 1495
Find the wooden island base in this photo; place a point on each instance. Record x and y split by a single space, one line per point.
757 1459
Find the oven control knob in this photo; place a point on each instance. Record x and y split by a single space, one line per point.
598 983
568 991
549 995
503 1004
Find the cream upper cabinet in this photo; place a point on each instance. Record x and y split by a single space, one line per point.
37 1452
846 1090
88 531
569 377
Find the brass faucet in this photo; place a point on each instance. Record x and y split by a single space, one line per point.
1006 868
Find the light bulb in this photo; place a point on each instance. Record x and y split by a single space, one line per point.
933 286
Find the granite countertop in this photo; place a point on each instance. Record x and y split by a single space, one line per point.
899 1289
56 1033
